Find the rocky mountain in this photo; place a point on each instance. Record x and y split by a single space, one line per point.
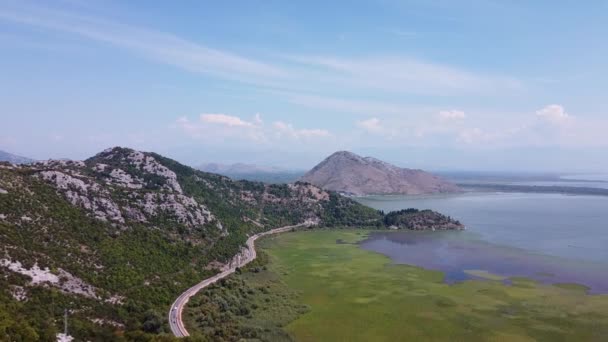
115 238
14 159
348 173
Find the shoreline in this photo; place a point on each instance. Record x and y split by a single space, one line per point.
366 291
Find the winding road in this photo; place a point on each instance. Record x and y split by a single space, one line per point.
175 314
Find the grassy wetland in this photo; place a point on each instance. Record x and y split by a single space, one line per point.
320 286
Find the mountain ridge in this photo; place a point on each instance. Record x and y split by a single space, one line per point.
115 238
239 168
123 232
13 158
349 173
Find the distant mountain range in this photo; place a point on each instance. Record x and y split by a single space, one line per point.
238 168
349 173
14 159
252 172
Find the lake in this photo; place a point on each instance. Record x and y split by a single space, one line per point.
548 237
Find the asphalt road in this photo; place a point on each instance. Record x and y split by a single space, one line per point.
175 314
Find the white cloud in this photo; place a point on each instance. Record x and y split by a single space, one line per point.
213 127
371 125
258 119
404 75
398 74
450 115
227 120
286 129
148 43
555 114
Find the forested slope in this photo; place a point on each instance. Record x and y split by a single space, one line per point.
114 239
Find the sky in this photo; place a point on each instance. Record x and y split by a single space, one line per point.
441 85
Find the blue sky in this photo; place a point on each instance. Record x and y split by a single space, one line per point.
467 85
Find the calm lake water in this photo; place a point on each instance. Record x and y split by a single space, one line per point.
551 238
572 183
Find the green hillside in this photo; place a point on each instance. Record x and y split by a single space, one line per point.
124 232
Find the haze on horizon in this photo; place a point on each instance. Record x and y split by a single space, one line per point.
478 85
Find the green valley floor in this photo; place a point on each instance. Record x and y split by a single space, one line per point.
320 286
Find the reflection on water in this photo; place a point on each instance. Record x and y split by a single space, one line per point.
455 253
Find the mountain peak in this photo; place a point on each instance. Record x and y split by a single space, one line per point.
345 154
113 152
350 173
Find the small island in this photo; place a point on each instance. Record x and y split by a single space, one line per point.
414 219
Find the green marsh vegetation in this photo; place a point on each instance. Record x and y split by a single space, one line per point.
331 290
254 303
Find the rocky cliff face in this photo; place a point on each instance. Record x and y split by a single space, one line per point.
124 187
349 173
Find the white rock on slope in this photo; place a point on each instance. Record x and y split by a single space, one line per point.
18 292
89 196
64 181
64 338
151 165
64 280
122 178
141 206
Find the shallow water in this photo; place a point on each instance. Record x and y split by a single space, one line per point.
579 184
588 177
548 237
